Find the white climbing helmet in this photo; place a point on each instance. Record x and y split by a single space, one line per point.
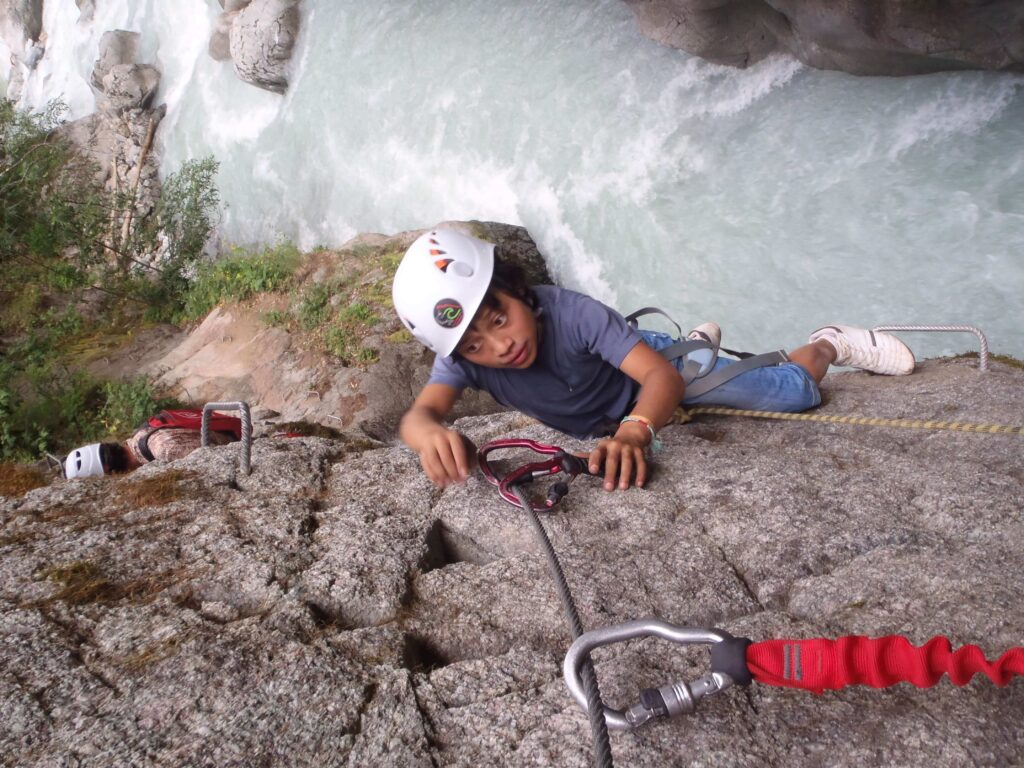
439 285
84 462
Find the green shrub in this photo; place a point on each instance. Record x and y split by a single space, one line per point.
127 404
361 313
239 277
60 248
338 342
53 212
314 308
275 318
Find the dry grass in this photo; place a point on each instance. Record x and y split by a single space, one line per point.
84 582
307 429
16 480
1006 359
147 656
158 490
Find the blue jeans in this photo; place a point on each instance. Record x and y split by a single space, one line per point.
788 387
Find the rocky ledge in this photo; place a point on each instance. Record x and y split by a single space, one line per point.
863 37
333 608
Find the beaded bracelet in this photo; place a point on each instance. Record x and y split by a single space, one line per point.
655 444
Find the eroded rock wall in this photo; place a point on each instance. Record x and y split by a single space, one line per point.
863 37
333 608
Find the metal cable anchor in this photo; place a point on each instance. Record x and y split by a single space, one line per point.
671 700
243 408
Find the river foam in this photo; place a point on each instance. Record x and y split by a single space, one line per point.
774 199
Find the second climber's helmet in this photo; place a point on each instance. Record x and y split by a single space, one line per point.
84 462
439 285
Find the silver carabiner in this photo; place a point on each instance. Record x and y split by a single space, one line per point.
669 700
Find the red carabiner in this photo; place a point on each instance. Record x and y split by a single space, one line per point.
560 461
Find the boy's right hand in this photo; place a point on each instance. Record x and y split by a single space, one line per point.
447 456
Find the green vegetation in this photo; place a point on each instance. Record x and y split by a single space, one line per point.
338 312
80 265
313 308
74 264
238 277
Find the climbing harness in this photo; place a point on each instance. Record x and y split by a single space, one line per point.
815 665
700 356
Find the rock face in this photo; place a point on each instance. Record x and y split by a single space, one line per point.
21 29
333 608
122 83
21 24
119 136
863 37
261 38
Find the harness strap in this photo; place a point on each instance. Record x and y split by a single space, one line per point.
144 444
685 348
632 318
718 377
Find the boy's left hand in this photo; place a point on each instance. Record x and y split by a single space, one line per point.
622 457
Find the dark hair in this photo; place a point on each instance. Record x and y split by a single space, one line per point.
114 457
511 279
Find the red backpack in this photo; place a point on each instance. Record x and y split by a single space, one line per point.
188 418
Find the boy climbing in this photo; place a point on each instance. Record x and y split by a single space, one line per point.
575 364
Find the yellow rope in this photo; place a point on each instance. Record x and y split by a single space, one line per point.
683 416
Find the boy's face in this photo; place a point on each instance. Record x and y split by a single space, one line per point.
501 337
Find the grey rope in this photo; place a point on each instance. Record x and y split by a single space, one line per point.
595 707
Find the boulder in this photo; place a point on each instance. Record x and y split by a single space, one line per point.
130 86
234 350
220 38
117 47
262 38
86 10
21 24
864 37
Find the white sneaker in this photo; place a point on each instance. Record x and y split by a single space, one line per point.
709 332
874 351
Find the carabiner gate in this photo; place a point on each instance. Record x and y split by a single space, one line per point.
560 461
668 701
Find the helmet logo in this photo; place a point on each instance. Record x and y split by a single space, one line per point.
448 313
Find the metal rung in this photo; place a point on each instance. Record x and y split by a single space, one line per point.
246 428
982 355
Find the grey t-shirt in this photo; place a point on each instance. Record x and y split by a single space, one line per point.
575 384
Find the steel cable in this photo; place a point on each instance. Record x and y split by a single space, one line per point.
595 707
